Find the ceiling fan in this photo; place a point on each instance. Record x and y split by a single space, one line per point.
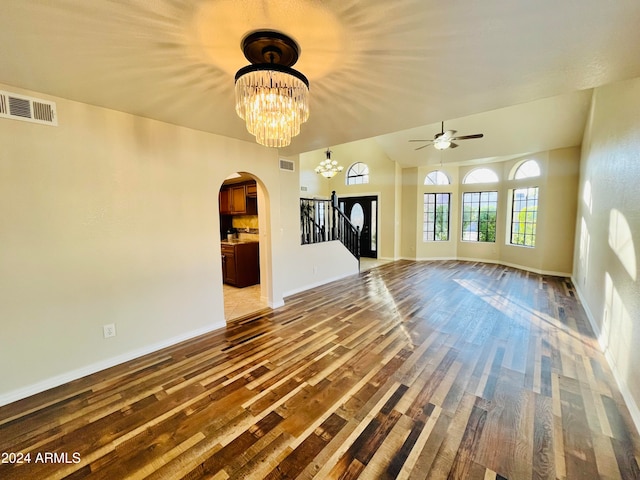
444 140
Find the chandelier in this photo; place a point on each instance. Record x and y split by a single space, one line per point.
328 168
271 97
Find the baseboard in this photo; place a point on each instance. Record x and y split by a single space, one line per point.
276 304
316 284
494 262
434 259
485 260
515 265
72 375
634 411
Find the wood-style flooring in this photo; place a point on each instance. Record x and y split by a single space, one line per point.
410 370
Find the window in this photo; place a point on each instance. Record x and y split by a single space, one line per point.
435 224
524 214
479 216
437 178
481 175
358 174
527 169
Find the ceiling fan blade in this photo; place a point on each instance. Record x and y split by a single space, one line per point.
423 146
467 137
453 145
421 140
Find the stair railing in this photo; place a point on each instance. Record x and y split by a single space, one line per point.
344 230
315 220
322 221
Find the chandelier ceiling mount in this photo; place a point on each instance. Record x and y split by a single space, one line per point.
266 46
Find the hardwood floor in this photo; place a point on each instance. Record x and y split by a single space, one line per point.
410 370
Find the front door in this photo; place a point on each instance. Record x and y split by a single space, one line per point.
363 213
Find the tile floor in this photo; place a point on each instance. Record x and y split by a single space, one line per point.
239 302
369 263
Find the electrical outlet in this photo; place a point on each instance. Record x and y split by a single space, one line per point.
109 330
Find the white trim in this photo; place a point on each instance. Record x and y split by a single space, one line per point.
519 267
316 284
361 194
433 259
278 304
72 375
622 384
496 262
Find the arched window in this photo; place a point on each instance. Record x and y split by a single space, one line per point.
358 174
481 175
527 169
524 205
437 177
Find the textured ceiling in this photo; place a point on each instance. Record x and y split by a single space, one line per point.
375 67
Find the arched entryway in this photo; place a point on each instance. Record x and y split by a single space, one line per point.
243 209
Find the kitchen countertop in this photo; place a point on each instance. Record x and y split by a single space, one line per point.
236 242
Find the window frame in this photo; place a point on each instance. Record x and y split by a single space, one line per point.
364 176
513 222
495 177
478 220
519 166
434 222
428 181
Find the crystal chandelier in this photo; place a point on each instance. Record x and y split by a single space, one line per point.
271 97
328 168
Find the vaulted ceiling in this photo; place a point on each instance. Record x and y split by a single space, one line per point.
518 71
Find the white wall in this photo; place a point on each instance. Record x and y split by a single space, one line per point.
305 266
558 184
607 244
112 218
384 181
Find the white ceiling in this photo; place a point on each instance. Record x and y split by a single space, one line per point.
375 67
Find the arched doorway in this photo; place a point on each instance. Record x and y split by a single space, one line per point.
244 248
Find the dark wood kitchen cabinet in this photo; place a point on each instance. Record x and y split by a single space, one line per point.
238 200
240 263
225 205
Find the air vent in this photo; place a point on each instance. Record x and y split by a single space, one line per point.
287 165
27 109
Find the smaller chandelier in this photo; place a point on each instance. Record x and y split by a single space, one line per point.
328 168
271 97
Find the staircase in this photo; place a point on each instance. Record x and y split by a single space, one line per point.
323 221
